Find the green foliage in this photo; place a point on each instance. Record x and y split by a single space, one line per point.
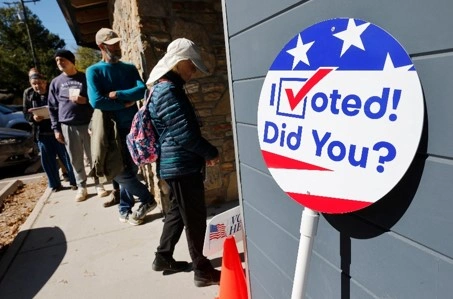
16 57
86 57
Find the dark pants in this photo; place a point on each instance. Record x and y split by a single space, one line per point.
115 185
128 181
50 148
187 209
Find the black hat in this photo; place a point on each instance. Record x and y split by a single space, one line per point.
65 54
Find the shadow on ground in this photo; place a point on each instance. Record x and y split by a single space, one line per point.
24 271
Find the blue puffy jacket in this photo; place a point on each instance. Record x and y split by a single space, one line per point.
183 150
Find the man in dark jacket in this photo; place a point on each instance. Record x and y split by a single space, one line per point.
50 148
184 153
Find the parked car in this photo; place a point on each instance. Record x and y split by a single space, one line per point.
12 118
17 147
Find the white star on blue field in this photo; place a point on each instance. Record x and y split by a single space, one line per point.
348 44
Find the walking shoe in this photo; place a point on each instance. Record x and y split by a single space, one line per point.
101 191
138 216
114 199
169 264
81 194
124 216
204 278
56 189
134 221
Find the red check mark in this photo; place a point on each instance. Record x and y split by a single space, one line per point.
318 76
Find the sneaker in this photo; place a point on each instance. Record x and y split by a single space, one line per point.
101 191
114 199
134 221
73 187
81 194
169 264
204 278
124 216
138 216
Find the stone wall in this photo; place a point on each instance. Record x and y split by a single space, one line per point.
147 27
126 24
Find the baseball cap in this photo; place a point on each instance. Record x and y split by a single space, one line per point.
177 50
107 36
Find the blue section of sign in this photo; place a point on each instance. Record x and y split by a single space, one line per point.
348 44
272 95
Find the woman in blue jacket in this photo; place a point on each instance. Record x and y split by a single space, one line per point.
183 155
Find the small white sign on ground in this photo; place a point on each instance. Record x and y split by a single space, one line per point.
228 223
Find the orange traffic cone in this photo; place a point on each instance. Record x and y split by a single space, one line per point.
232 279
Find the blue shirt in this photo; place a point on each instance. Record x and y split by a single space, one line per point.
121 77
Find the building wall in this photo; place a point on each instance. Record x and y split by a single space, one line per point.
400 247
147 28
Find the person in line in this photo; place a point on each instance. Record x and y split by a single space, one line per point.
183 156
64 171
49 147
115 86
70 115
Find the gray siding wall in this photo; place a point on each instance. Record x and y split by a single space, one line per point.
400 247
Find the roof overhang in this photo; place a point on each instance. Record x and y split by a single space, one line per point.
85 18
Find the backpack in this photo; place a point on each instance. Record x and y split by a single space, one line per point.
141 140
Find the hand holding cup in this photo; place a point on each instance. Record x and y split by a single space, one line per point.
74 94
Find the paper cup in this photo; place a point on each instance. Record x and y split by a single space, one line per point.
74 94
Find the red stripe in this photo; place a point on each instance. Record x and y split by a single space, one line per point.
329 205
276 161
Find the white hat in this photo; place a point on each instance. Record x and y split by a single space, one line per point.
177 50
107 36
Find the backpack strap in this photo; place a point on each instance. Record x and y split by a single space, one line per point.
147 96
148 93
148 99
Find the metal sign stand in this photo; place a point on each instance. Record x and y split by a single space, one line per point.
308 228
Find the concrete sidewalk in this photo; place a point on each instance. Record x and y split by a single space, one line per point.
81 250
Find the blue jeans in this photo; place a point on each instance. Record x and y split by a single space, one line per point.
50 148
129 183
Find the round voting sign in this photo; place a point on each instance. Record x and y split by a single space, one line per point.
340 115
